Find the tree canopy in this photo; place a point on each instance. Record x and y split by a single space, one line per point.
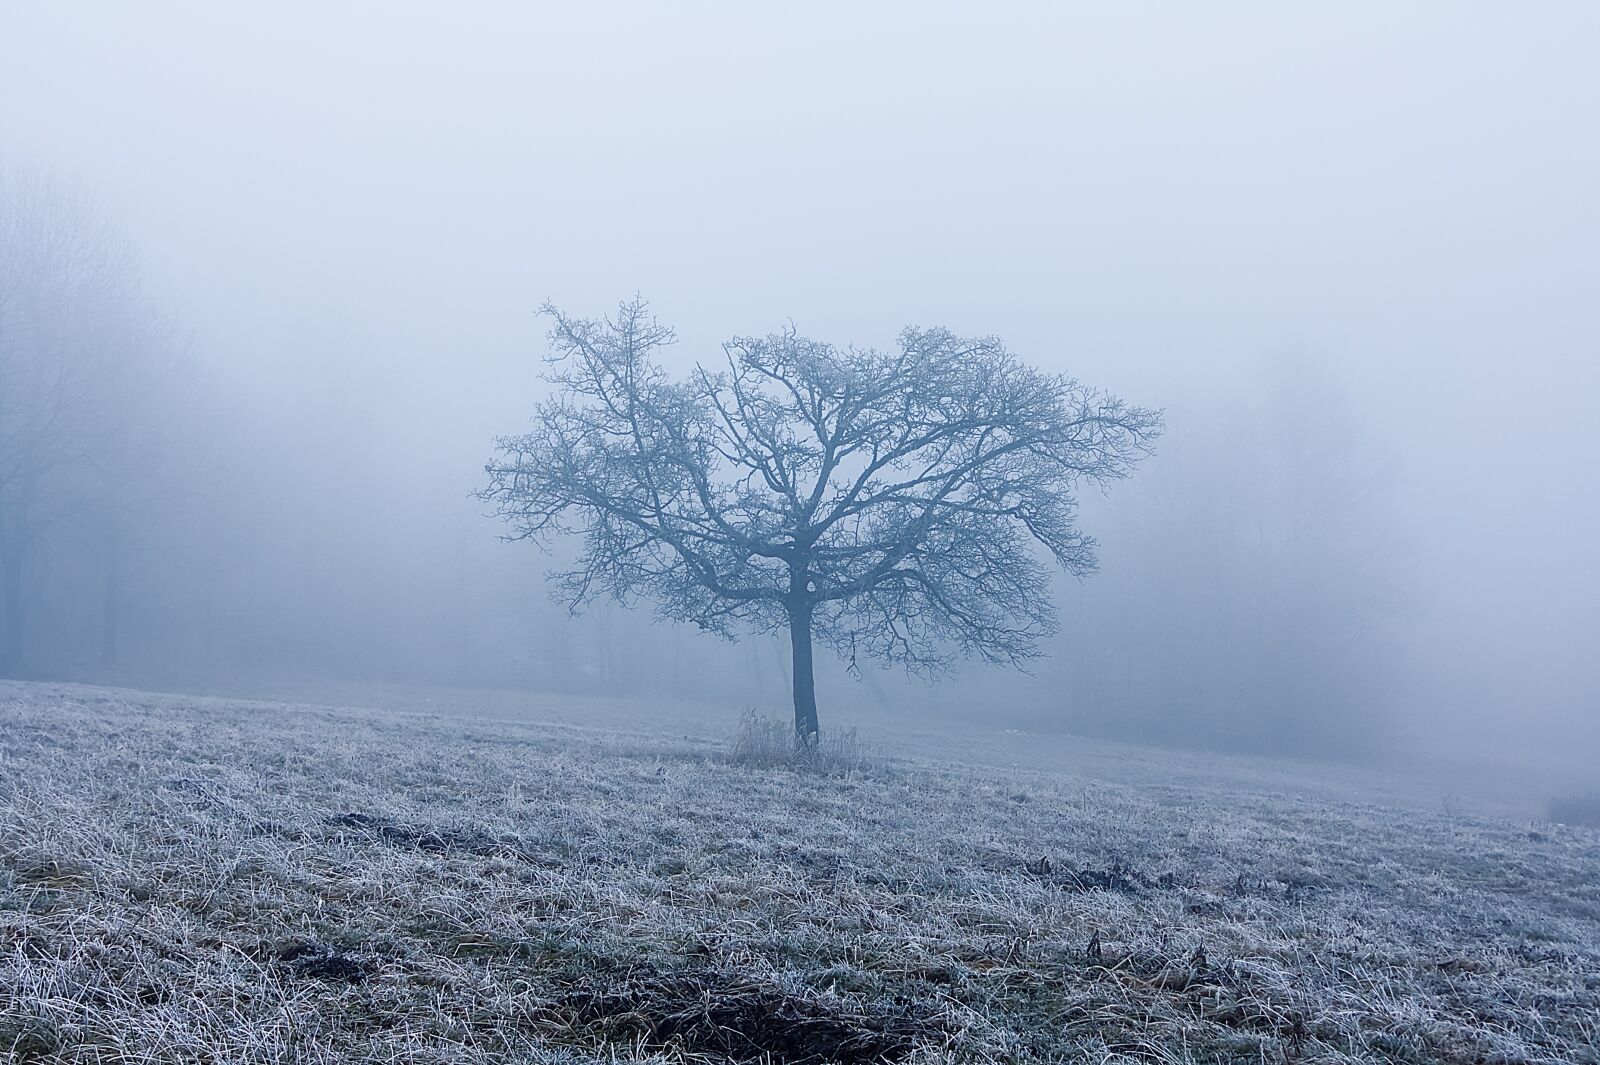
888 504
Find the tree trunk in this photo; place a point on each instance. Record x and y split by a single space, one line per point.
805 685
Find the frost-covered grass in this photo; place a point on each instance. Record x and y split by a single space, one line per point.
765 741
195 879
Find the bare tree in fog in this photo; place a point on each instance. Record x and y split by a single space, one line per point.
884 503
77 404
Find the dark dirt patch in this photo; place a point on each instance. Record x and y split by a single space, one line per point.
434 840
1119 878
309 961
718 1014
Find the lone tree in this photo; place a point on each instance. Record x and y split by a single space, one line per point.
884 503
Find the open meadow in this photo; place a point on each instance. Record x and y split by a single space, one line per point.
452 878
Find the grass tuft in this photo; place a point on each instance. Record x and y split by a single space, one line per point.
765 742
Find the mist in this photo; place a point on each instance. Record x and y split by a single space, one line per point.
1352 259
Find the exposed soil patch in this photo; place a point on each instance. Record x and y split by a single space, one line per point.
422 837
714 1013
319 963
1117 877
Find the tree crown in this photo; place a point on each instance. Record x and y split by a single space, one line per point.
894 497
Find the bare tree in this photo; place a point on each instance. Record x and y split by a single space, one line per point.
77 346
883 503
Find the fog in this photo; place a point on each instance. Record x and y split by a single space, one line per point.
1351 253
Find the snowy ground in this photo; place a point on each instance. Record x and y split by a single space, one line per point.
449 877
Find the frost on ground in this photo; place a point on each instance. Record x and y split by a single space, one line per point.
193 879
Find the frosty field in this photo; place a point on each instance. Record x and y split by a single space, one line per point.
454 878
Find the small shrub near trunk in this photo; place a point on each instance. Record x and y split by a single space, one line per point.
764 742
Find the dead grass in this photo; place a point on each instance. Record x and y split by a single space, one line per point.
199 880
766 742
